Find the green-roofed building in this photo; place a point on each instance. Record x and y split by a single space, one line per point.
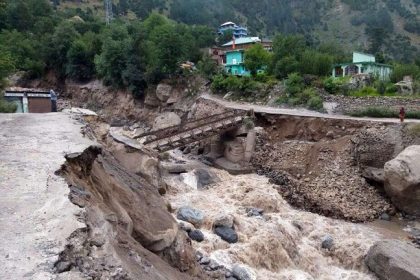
362 64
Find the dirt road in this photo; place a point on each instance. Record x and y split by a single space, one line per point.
36 216
293 112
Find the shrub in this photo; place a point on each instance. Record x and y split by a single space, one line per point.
375 112
307 98
315 103
294 84
383 112
391 89
336 85
366 91
7 107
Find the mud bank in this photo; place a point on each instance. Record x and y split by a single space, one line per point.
129 232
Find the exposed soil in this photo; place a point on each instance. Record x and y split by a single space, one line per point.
313 162
130 234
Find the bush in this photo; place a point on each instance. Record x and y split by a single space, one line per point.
307 98
375 112
222 83
391 89
383 112
294 84
366 91
7 107
336 85
315 103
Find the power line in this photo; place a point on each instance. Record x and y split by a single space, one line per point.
109 14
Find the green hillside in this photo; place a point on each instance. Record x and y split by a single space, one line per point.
388 26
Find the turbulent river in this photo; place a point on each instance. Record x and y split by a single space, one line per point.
284 243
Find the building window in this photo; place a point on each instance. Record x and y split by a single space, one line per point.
234 61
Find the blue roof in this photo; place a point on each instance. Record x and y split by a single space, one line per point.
243 40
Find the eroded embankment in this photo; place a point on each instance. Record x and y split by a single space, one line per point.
319 163
129 234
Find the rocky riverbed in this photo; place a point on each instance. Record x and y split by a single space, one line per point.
274 241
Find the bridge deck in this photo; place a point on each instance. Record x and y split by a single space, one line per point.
194 131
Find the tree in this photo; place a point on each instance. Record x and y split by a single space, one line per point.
112 61
61 42
7 66
256 58
207 66
80 65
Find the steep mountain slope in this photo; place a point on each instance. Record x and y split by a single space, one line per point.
388 26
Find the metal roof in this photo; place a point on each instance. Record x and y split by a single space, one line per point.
228 23
243 40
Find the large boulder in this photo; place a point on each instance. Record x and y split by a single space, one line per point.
165 120
394 260
227 234
191 215
402 180
163 92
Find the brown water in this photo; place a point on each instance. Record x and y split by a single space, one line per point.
285 243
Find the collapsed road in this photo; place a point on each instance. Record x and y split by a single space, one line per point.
36 215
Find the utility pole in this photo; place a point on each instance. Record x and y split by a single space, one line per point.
109 14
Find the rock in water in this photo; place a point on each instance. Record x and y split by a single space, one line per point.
191 215
402 180
205 178
227 234
223 220
196 235
327 242
394 260
242 272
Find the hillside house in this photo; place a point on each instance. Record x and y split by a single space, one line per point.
237 30
235 54
362 64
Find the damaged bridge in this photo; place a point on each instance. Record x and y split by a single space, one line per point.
173 137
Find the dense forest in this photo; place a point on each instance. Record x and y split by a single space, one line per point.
145 43
391 27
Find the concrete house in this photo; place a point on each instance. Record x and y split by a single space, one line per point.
362 64
235 54
237 30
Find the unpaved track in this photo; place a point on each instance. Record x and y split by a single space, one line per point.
294 112
35 214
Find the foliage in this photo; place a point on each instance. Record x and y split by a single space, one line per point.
207 67
294 84
307 98
383 112
244 85
401 70
7 107
256 58
366 91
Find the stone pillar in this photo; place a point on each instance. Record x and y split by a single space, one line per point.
250 145
333 72
344 70
25 107
216 147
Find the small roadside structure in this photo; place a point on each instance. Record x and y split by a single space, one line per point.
362 64
32 100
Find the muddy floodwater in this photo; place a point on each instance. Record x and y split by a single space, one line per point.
284 243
